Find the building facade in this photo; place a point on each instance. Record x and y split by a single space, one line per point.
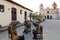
12 11
49 13
58 13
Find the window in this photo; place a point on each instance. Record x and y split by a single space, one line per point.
1 8
54 7
20 11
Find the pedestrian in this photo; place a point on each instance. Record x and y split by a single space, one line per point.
34 33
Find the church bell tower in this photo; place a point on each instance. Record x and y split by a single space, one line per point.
54 6
41 7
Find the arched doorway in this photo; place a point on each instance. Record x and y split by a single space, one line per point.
50 17
47 16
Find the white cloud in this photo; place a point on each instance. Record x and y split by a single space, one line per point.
34 4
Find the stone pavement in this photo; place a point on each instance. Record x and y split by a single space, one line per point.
4 35
28 36
51 30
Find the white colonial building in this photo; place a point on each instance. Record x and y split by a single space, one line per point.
49 13
12 11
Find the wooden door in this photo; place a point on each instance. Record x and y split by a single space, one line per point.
14 16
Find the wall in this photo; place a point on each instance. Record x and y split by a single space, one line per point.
58 13
5 17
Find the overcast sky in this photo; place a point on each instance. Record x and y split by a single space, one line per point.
34 4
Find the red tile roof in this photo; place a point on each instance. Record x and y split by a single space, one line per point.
18 5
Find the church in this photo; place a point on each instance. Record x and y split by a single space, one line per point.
49 13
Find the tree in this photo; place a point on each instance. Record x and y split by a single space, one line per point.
35 15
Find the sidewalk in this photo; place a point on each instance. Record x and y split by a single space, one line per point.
5 28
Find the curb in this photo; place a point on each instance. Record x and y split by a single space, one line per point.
5 29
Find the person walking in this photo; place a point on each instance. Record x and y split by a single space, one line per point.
34 33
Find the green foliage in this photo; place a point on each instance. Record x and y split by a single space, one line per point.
35 15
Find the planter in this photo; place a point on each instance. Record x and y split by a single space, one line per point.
39 36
